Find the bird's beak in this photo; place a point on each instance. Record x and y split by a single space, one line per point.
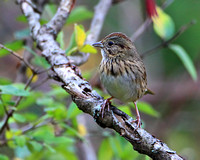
98 44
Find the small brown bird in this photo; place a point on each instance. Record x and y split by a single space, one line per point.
122 71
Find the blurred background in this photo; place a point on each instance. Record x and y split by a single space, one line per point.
177 95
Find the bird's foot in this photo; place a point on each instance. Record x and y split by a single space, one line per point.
104 105
138 120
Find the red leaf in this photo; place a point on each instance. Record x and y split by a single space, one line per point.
151 8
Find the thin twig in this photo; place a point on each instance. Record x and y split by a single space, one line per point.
10 112
141 29
31 127
166 43
17 56
43 71
42 82
26 129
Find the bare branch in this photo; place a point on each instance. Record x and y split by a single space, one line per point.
60 17
141 29
17 56
87 99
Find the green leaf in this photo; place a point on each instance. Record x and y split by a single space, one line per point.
38 60
5 81
51 9
115 145
34 146
79 14
22 18
186 60
80 35
88 49
46 101
51 149
57 92
105 151
71 51
60 39
57 111
20 140
163 24
126 109
147 108
3 157
30 100
30 116
14 46
14 89
60 140
71 131
19 117
73 111
72 43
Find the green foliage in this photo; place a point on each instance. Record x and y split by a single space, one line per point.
19 118
186 60
163 25
60 39
15 46
79 14
72 43
3 157
22 18
5 81
14 89
38 60
115 147
77 42
105 152
164 28
73 111
50 9
142 106
147 108
88 49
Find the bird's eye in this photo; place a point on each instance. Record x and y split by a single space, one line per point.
110 43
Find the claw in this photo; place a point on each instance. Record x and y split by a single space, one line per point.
106 103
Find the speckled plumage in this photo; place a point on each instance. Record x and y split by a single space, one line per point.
122 71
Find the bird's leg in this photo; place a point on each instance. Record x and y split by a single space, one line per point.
106 103
138 120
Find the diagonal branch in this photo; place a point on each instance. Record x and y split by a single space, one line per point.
87 99
141 29
61 15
